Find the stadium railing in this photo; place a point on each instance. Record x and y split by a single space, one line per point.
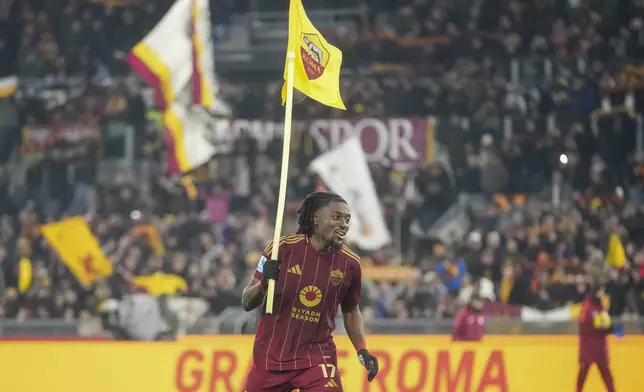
49 327
235 322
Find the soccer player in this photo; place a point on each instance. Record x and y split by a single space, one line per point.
594 326
315 275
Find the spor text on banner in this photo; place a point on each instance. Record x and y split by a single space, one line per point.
405 141
408 364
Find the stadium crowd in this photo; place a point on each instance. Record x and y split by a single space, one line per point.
557 181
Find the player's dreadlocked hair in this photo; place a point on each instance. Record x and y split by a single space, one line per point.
310 205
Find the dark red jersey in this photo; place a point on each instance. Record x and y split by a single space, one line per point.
311 287
592 336
469 325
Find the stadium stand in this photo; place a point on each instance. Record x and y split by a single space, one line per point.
538 113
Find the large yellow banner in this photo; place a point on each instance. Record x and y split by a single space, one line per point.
408 364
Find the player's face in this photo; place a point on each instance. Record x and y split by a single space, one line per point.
333 223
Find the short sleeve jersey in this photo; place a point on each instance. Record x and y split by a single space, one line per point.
310 288
592 341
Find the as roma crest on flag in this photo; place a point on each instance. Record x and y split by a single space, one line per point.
315 56
315 63
337 276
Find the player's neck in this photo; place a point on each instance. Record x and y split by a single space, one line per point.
319 244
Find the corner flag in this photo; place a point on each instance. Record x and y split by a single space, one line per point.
317 63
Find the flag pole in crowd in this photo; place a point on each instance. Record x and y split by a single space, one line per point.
313 67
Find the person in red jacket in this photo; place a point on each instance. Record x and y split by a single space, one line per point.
469 325
594 326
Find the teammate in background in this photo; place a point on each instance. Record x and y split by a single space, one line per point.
315 275
594 326
469 325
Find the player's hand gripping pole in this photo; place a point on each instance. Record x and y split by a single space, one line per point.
286 149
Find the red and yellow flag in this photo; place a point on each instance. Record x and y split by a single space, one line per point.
78 249
152 235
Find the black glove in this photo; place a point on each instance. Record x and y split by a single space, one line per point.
271 270
369 362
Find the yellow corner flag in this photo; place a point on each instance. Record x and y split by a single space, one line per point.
317 63
77 247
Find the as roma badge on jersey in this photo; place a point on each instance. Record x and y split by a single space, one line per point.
337 276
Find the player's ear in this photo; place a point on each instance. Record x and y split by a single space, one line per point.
316 219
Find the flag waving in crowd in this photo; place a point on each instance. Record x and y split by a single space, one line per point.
77 247
317 63
203 83
616 256
161 284
160 58
151 233
176 59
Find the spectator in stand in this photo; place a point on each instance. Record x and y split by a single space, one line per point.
451 272
469 324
